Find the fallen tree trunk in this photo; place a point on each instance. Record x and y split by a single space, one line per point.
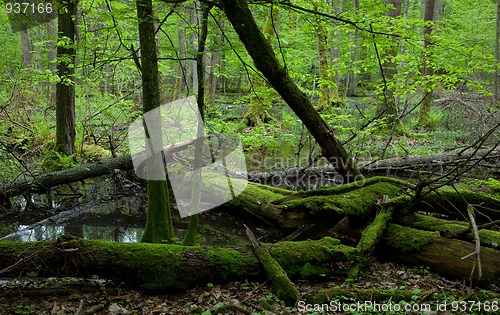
163 267
297 177
43 183
285 289
433 162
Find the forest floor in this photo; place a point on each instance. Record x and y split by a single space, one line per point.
97 296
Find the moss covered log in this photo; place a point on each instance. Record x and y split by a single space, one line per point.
446 199
450 228
165 267
442 255
285 289
291 210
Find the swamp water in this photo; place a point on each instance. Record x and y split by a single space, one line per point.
102 211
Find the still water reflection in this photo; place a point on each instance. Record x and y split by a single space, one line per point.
27 233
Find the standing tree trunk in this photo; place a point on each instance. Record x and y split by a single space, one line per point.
496 87
425 106
65 89
212 80
391 108
192 231
327 92
353 82
267 63
159 225
26 47
180 76
51 57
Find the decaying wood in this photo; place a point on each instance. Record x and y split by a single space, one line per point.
42 183
285 289
164 267
433 162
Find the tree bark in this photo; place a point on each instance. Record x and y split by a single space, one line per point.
65 89
159 225
26 47
390 106
162 267
496 91
267 63
425 106
260 100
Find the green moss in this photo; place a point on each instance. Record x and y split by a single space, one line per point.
291 255
357 202
489 237
93 151
409 240
309 270
256 194
53 160
447 228
141 262
234 263
373 232
428 223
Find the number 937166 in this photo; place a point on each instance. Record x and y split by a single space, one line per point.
28 7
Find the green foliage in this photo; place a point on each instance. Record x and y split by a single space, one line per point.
53 160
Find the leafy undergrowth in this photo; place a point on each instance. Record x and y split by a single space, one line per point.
78 296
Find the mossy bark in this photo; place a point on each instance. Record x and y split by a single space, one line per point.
164 267
159 225
167 267
442 255
370 238
450 229
285 289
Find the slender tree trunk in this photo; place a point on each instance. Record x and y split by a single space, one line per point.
390 69
402 48
38 49
51 56
212 80
180 76
425 106
198 157
267 63
159 226
65 89
26 47
193 19
353 84
326 97
496 91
